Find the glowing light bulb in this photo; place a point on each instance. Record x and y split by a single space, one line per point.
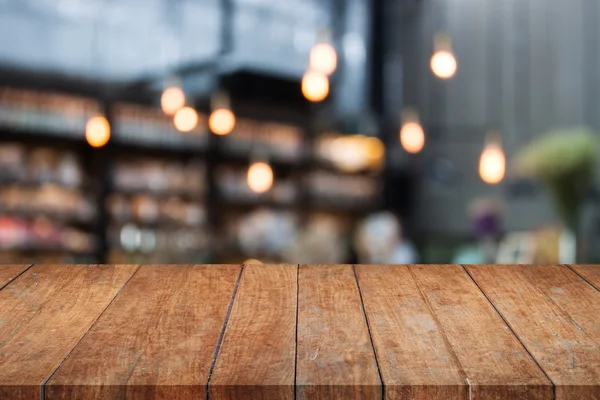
323 58
315 86
186 119
412 137
443 64
97 131
260 177
172 100
221 121
492 164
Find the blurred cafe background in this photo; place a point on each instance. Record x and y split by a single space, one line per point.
310 131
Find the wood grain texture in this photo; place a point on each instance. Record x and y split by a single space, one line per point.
415 360
43 315
257 357
10 272
335 357
157 340
494 361
547 307
590 273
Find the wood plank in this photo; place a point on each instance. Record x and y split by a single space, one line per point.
335 356
415 360
425 347
156 340
10 272
494 361
542 315
43 316
590 273
573 295
257 357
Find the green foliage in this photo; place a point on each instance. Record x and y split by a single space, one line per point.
565 161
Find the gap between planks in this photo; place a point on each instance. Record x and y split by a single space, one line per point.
43 385
466 270
569 266
364 312
223 329
11 280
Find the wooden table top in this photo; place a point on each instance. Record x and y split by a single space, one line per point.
305 332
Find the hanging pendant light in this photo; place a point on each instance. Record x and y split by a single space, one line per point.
260 177
323 57
322 62
221 120
315 86
173 97
443 63
492 163
97 131
412 136
186 119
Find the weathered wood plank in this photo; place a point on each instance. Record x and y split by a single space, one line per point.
156 340
44 314
590 273
335 356
10 272
437 336
542 308
415 360
495 363
257 357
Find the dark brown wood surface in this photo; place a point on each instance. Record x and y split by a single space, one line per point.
335 356
554 313
44 313
258 355
310 332
10 272
157 340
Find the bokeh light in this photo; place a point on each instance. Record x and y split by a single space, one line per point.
97 131
443 64
186 119
172 100
492 164
260 177
412 137
221 121
323 58
315 86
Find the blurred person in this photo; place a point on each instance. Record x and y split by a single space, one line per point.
379 240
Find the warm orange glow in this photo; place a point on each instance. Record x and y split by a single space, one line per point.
323 58
443 64
97 131
492 164
221 121
315 86
186 119
412 137
172 100
375 149
356 152
260 177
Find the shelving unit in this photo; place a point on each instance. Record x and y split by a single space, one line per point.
149 222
